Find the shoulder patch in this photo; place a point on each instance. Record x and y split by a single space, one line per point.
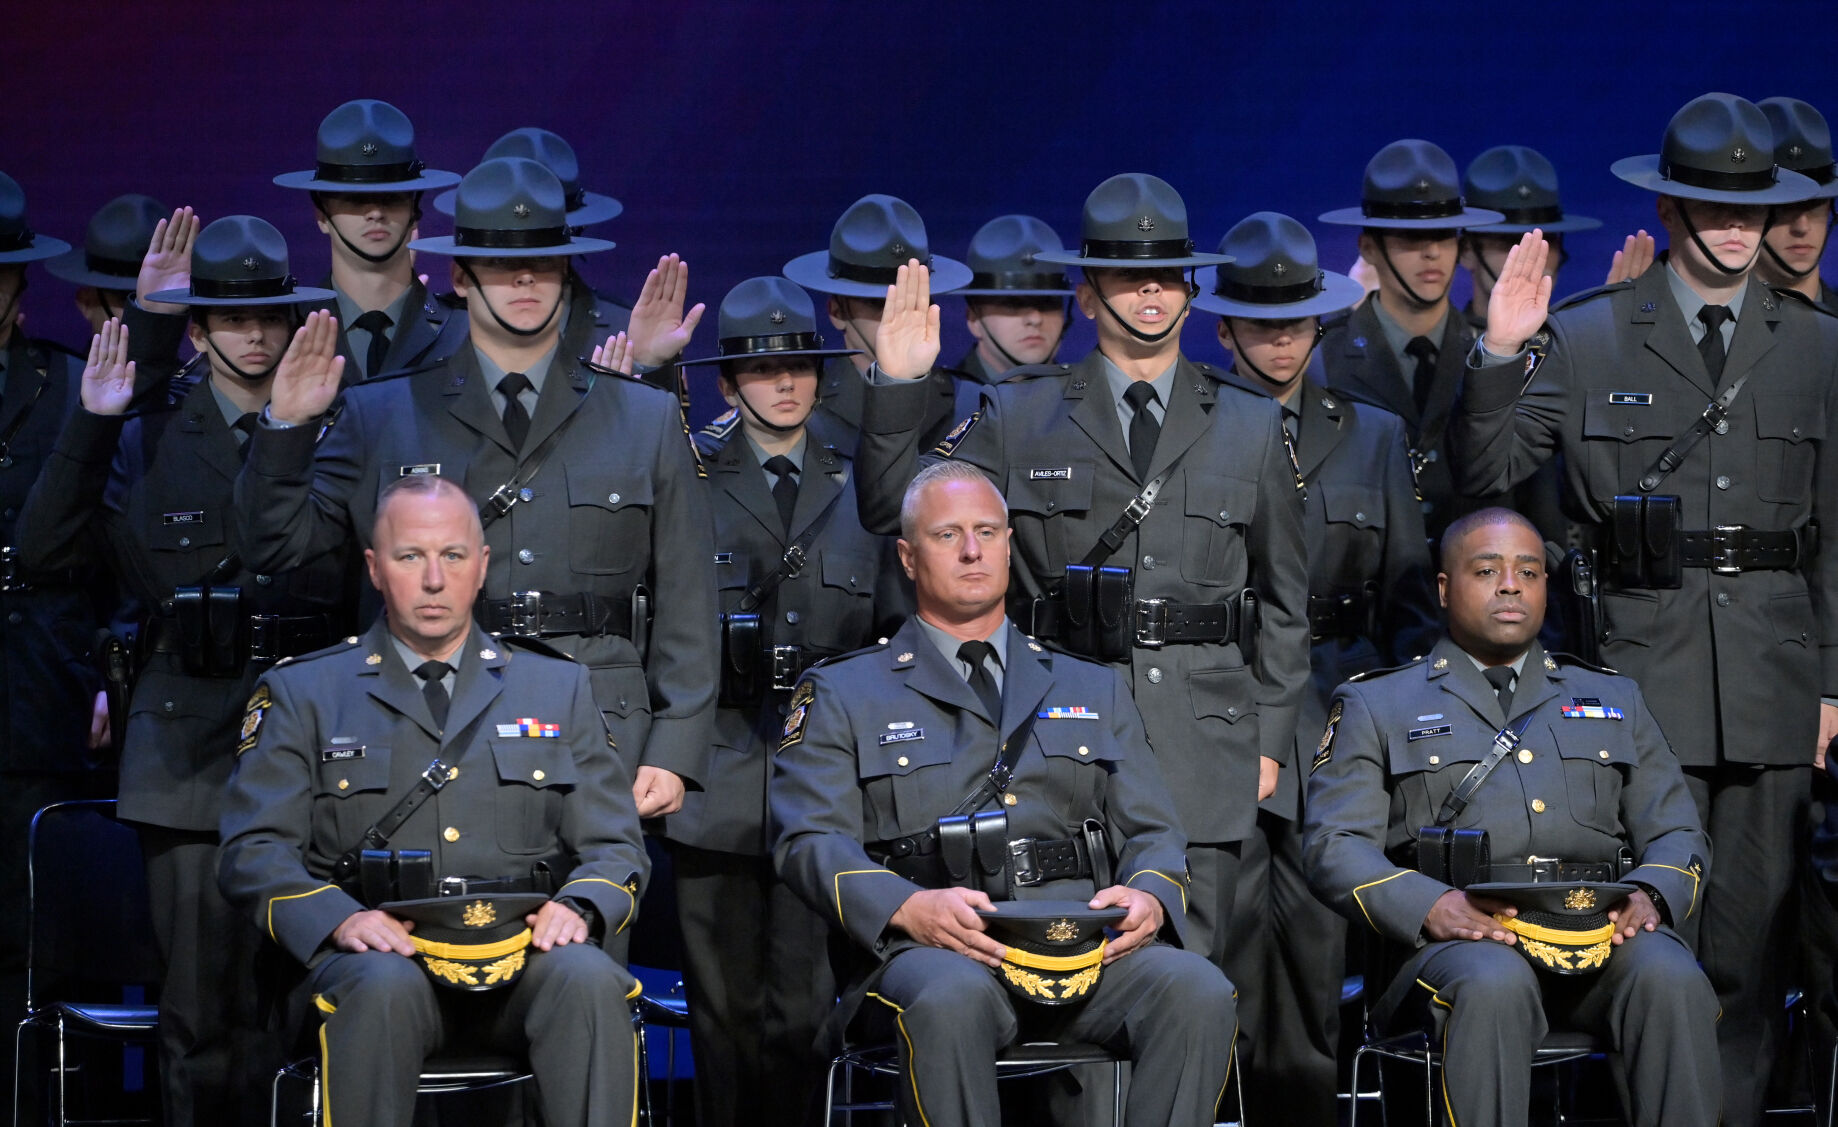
798 717
1374 674
947 446
1324 751
260 702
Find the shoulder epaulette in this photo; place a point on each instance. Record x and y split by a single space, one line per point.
1590 294
1374 674
836 659
451 300
1572 659
1336 319
535 646
342 646
1788 293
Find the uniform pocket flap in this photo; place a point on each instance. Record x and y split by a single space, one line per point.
608 487
348 769
1047 489
1085 741
534 761
1792 616
1794 418
1596 740
1220 499
901 751
1350 504
1630 420
1228 694
849 571
184 531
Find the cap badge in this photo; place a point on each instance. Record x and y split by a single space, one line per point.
251 264
1739 154
479 913
1061 931
1145 224
370 148
898 249
521 211
1794 150
1579 899
1422 185
777 316
1525 191
1279 270
1027 258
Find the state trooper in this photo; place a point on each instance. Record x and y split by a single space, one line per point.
105 267
800 581
1403 350
1520 183
1691 407
1157 516
1016 307
424 772
366 188
1369 605
1453 800
594 508
151 493
884 794
1795 243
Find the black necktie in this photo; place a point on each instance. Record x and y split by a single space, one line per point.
1145 429
1501 678
1711 347
516 419
245 430
975 654
433 691
1423 350
786 491
376 323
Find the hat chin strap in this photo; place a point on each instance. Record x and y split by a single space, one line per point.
775 428
1146 338
1717 263
1416 298
848 314
1064 326
1239 357
246 377
414 219
1799 275
479 288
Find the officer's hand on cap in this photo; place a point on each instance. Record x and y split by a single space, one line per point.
310 373
1457 915
659 327
615 354
108 374
946 917
1632 260
1521 298
657 791
555 924
167 265
906 344
1140 926
374 931
1636 913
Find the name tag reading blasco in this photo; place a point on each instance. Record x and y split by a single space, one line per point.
1425 733
902 736
183 518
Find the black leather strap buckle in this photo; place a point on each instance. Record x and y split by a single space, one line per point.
794 560
1152 623
501 501
525 613
435 774
787 664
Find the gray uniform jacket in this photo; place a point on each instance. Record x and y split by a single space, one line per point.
339 737
841 392
1229 517
1578 789
1769 471
850 772
430 331
617 505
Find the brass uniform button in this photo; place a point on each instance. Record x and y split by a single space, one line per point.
537 775
450 834
452 773
1009 799
1435 759
344 784
1537 805
1603 753
1525 756
902 761
1084 751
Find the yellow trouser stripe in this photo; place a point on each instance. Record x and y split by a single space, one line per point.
325 1078
1446 1023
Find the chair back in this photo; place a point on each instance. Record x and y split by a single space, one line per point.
91 922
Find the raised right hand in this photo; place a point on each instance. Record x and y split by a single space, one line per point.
1457 915
906 345
108 375
373 930
1521 298
310 373
1632 260
167 265
946 917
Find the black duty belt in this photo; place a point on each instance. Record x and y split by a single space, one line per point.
1157 622
1552 870
16 578
1035 860
270 637
1345 615
1733 548
542 614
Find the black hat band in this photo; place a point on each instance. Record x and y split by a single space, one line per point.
1018 280
738 347
1415 209
1550 213
869 275
490 238
242 287
20 239
369 173
1822 174
1269 295
1756 181
1131 248
103 264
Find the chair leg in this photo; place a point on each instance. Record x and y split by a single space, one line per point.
829 1095
63 1108
1116 1094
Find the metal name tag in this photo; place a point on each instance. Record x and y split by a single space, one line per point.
425 469
1631 398
1426 733
184 518
1050 473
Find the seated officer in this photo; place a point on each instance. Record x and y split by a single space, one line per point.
882 743
1592 795
517 823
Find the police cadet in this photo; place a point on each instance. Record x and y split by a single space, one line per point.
599 526
1795 242
1491 797
1404 349
1016 307
366 190
871 240
1157 516
1691 407
1519 183
52 710
152 494
437 826
105 267
1369 604
799 581
932 789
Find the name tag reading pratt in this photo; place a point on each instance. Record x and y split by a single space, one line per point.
902 736
1078 712
529 727
1426 733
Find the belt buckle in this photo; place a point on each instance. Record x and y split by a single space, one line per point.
1024 861
264 637
795 559
785 666
454 886
435 774
9 569
526 613
1152 623
1138 510
501 501
1723 540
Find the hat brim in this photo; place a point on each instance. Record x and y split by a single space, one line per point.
812 271
444 244
1607 892
73 267
824 353
1068 292
302 295
430 180
513 903
1051 910
1071 258
1337 292
595 208
42 248
1643 172
1562 226
1467 217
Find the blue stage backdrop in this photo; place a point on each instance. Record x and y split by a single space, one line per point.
737 132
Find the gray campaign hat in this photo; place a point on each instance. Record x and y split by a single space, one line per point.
365 147
1411 185
1718 148
240 260
510 207
1004 260
872 240
1133 221
768 317
557 155
1520 184
1802 142
113 245
18 242
1274 274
